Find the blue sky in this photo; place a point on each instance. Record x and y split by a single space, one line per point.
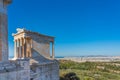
81 27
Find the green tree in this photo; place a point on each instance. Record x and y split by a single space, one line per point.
71 76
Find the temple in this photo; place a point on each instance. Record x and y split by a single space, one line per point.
28 44
32 58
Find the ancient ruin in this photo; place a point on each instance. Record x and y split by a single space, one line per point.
36 47
32 59
3 30
27 43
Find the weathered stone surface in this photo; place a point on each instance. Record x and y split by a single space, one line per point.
42 66
49 71
36 43
3 32
32 53
10 70
15 70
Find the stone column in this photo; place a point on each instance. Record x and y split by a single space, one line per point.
31 48
24 47
27 52
53 55
20 48
23 54
15 49
4 30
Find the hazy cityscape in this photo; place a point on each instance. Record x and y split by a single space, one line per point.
92 58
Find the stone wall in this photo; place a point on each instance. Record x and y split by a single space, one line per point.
48 71
41 48
40 44
15 70
15 75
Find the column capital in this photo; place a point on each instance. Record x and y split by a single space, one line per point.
15 40
7 1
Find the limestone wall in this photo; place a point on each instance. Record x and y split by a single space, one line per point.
15 70
46 72
15 75
41 48
40 44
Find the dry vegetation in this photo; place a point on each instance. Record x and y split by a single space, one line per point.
90 70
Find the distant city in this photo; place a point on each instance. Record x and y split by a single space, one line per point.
90 58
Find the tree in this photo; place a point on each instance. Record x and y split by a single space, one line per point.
71 76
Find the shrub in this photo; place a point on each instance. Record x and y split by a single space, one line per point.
70 76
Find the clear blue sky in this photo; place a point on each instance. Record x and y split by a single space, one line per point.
81 27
